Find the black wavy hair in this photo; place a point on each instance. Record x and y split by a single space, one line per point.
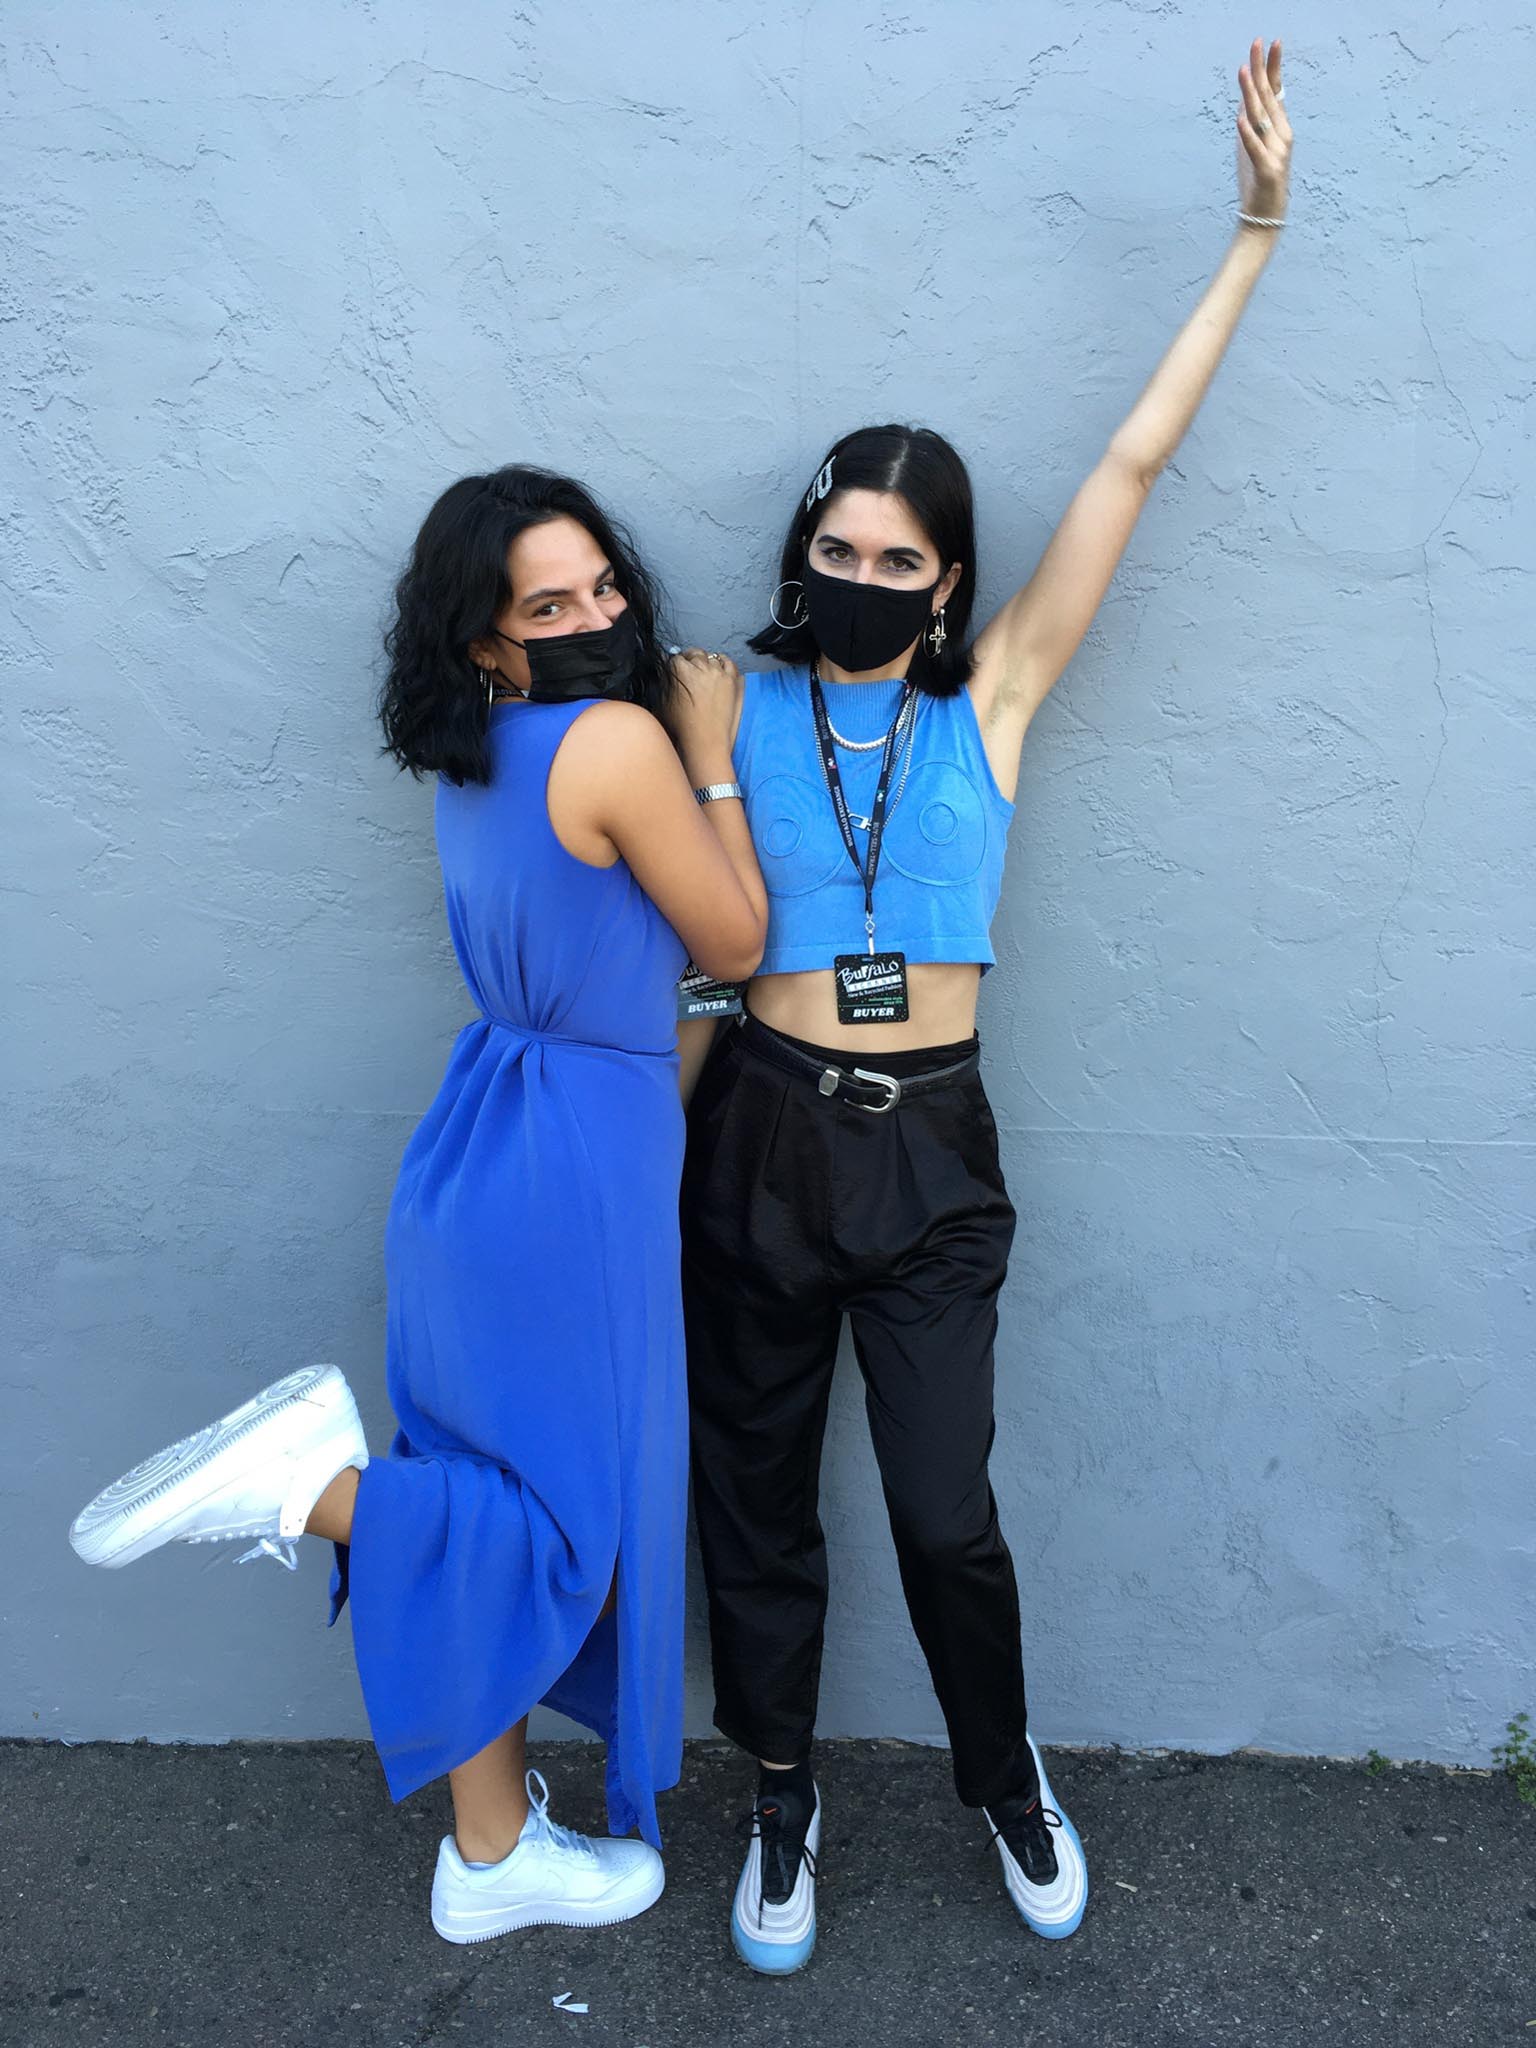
923 467
432 703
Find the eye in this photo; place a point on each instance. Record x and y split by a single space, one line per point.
547 611
834 551
607 588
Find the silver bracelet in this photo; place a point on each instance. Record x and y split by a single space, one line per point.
718 792
1259 220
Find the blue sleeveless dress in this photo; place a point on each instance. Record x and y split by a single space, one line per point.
535 1346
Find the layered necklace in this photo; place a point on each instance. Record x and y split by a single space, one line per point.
869 746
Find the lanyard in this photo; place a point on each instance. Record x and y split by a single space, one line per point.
866 868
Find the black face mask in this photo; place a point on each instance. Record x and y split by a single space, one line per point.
862 626
565 666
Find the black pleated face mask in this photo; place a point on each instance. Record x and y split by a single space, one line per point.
862 626
565 666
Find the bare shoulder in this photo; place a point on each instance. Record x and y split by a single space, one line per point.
614 765
610 734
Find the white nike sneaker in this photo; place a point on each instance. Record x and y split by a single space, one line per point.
553 1878
257 1472
773 1916
1043 1863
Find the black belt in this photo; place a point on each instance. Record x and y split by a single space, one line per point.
856 1085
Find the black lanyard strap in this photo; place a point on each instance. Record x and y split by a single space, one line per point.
867 868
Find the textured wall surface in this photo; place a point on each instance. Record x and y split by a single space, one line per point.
272 276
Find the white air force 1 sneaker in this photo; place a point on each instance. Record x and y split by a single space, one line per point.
256 1473
553 1878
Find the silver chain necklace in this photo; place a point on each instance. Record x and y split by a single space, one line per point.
859 746
855 746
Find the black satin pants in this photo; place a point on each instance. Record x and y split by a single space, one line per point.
798 1211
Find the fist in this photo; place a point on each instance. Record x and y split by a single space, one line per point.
706 704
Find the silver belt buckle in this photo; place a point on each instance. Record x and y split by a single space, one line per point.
886 1081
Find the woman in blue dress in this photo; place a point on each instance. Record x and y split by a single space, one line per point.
522 1542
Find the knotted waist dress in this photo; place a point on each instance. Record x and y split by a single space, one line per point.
535 1349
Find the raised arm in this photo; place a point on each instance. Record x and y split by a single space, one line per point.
1030 641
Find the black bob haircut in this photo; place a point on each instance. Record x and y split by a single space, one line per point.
432 704
925 470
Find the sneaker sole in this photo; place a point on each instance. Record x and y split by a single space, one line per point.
128 1518
773 1958
464 1934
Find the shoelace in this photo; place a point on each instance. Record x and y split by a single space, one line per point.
551 1830
285 1551
1038 1816
772 1840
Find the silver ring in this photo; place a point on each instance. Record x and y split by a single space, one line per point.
1262 125
1279 92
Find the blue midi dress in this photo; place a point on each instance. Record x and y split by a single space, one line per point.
535 1346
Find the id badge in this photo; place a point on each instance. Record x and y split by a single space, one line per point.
871 988
700 995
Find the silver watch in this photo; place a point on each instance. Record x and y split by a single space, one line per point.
717 792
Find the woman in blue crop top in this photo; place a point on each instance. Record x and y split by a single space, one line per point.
842 1159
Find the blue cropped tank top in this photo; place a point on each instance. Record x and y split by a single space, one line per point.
941 868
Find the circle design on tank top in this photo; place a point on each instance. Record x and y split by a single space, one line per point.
938 833
798 847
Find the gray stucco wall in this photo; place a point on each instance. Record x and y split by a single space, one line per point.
271 277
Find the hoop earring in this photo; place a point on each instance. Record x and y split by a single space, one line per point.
936 633
789 625
488 677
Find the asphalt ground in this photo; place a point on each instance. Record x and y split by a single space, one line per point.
270 1896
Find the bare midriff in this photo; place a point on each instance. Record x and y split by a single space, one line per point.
941 999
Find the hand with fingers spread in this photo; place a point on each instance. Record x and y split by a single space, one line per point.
1263 141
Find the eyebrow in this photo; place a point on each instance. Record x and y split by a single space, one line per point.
604 575
913 554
